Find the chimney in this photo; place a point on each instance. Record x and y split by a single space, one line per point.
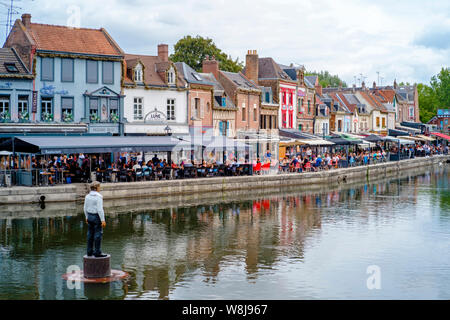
354 87
26 20
211 66
374 85
363 85
252 66
318 89
395 84
163 52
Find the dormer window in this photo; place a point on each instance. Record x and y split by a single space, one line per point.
224 102
138 74
171 76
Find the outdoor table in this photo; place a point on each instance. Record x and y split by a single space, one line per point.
46 175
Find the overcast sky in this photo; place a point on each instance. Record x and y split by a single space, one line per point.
404 39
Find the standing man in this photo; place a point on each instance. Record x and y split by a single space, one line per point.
95 218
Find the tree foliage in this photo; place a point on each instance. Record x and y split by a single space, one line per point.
434 96
326 79
194 50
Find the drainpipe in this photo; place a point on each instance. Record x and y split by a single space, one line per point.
33 51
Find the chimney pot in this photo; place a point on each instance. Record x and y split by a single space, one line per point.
26 20
163 52
252 66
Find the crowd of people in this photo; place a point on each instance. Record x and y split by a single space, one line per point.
79 167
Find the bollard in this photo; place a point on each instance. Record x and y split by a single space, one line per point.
97 267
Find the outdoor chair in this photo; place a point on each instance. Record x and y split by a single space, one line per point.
147 173
123 176
266 167
139 175
167 173
257 168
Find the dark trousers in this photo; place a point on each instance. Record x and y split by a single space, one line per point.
95 233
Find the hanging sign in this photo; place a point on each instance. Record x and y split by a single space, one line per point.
34 102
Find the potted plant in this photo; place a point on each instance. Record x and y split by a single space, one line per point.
114 117
5 116
94 118
47 117
67 116
24 116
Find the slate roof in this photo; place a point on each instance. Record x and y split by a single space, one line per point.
240 81
269 69
10 56
311 80
190 75
74 40
218 91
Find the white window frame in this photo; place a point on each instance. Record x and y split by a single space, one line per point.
138 107
5 104
22 104
171 76
171 109
138 73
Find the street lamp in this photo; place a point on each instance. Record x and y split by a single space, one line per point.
168 130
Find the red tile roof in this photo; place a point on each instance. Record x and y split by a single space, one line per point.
73 40
154 70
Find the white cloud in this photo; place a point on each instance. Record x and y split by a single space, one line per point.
345 38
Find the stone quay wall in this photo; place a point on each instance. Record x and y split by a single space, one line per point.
202 186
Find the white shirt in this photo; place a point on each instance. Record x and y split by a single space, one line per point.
93 203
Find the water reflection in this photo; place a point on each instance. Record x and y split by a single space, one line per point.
303 244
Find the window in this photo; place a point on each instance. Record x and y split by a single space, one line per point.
11 67
243 112
300 127
93 107
171 77
47 69
67 70
309 107
268 97
208 107
22 105
170 109
108 72
339 125
137 108
67 109
196 107
411 112
378 121
383 122
91 71
4 104
46 108
113 109
255 113
224 102
138 73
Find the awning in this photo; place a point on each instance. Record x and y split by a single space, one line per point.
374 138
414 138
288 143
91 144
441 135
314 142
394 133
409 129
426 137
402 141
223 142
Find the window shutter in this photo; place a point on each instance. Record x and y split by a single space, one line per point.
221 128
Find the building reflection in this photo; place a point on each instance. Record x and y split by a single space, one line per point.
167 248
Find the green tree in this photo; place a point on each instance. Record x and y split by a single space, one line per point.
326 79
435 96
194 50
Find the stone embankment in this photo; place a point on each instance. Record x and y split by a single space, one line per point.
195 188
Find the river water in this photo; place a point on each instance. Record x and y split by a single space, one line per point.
386 239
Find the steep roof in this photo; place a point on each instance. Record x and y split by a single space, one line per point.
240 81
190 75
269 69
74 40
9 56
219 91
312 80
154 69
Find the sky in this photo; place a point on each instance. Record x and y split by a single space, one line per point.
406 40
